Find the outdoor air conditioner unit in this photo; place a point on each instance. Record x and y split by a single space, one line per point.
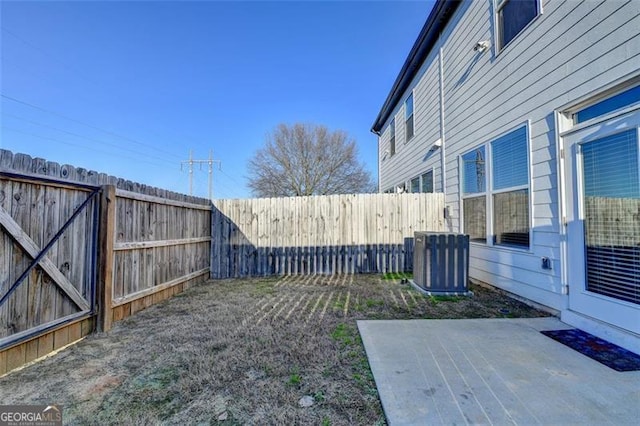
441 263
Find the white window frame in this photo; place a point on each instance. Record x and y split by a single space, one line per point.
413 179
464 196
420 177
433 180
567 113
392 137
565 126
490 192
407 138
497 7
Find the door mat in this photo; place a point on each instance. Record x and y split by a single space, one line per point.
613 356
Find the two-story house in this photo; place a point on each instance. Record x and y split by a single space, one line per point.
526 115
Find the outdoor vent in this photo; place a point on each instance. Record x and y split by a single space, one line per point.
441 263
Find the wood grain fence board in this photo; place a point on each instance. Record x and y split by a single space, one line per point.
106 238
19 228
52 224
6 255
65 243
33 250
79 241
161 287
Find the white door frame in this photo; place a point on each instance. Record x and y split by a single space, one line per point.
622 315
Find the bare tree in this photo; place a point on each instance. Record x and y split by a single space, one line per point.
306 159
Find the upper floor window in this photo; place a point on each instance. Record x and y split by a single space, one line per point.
408 113
512 17
392 137
427 181
415 185
422 183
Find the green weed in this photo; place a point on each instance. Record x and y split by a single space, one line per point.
435 299
397 275
344 334
371 303
295 379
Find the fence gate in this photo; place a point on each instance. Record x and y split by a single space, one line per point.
48 250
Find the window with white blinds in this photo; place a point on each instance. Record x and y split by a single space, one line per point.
510 188
611 189
508 192
509 160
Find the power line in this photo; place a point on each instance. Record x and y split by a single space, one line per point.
80 74
86 137
77 74
81 146
231 177
86 124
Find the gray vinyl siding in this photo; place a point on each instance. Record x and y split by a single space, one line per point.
409 160
569 51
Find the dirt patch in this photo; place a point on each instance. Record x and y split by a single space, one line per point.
241 352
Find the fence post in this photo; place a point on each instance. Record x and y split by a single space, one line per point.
105 255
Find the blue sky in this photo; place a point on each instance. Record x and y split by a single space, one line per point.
128 88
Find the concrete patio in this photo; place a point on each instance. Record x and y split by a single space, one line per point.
492 371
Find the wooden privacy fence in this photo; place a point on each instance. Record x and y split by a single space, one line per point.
79 250
158 247
321 234
47 266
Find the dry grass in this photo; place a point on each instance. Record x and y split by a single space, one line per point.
240 352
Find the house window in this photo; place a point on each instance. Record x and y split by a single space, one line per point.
615 102
509 191
422 183
408 112
415 185
392 138
510 188
474 204
512 17
427 181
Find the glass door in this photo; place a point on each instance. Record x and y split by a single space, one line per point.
602 165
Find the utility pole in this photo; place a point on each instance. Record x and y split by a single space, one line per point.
210 162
